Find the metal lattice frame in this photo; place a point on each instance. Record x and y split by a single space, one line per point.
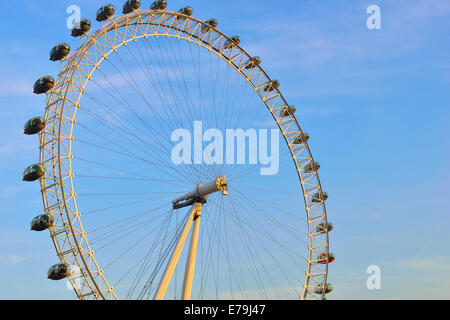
57 187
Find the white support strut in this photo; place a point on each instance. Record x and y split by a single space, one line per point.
175 256
195 198
190 263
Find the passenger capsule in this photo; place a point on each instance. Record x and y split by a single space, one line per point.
81 27
301 138
311 167
234 40
319 289
319 197
324 227
105 12
159 5
288 111
58 271
186 11
34 172
252 62
43 85
272 85
42 222
59 52
131 5
325 258
34 125
211 23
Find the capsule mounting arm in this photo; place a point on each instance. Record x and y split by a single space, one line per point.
201 193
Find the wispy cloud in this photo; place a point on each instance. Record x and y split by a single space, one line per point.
282 293
426 8
12 259
7 148
8 192
438 263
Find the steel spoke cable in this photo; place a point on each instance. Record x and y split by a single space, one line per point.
242 173
125 104
177 101
276 261
128 250
143 70
139 91
202 102
163 256
251 239
131 155
131 218
180 64
121 229
188 114
148 259
125 232
144 261
261 230
281 209
232 237
155 139
267 190
164 101
150 147
126 194
117 206
248 253
147 178
271 219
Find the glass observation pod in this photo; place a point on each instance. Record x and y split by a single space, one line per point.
311 167
59 52
34 172
82 27
320 289
42 222
58 271
234 40
252 62
287 111
319 197
159 5
105 12
272 85
324 227
211 23
301 138
43 85
186 10
34 125
131 5
322 259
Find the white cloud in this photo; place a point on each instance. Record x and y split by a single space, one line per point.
427 8
8 192
7 148
438 263
12 259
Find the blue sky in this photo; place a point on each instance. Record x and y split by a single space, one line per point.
376 103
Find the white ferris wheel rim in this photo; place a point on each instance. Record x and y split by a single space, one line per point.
57 186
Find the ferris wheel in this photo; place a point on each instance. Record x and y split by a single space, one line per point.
119 209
